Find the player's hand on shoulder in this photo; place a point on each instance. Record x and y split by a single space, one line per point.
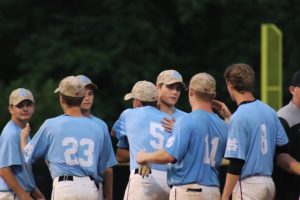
222 109
168 124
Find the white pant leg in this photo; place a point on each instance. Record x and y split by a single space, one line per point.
100 191
195 192
8 196
153 187
255 188
78 189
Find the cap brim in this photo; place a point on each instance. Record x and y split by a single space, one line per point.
128 96
172 82
56 90
16 103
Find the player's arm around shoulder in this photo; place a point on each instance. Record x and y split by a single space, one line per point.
159 157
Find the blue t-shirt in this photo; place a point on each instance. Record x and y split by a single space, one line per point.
110 153
142 126
198 144
74 146
12 156
254 131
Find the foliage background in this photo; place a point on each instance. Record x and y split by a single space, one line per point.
117 43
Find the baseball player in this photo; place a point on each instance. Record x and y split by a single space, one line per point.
196 146
143 128
287 185
76 148
16 181
122 152
169 84
86 105
254 133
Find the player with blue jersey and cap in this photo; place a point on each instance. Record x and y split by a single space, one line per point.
86 105
16 181
76 148
196 146
143 128
255 138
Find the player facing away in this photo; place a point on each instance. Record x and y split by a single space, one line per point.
196 146
16 181
86 105
143 128
169 84
254 134
76 148
138 97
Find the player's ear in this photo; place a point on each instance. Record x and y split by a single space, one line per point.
292 89
10 109
191 92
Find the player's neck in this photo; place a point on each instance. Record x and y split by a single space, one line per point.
296 102
246 96
86 113
166 108
201 105
73 111
18 122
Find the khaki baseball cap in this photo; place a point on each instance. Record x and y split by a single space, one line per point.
143 91
87 82
71 86
19 95
169 77
203 82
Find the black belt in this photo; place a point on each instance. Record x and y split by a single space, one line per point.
136 171
71 178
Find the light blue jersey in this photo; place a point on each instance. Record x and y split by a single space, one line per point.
110 153
198 144
11 156
74 146
254 131
144 130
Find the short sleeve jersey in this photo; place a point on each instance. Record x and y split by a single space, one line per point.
110 156
142 126
74 146
198 144
254 132
12 156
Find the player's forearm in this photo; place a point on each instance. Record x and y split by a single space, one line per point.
13 184
122 155
159 157
230 182
23 136
288 163
108 184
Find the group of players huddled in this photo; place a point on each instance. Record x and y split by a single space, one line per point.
173 154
